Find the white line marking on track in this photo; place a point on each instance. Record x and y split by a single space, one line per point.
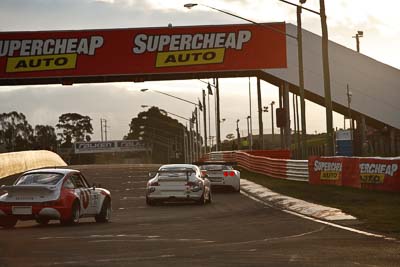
323 222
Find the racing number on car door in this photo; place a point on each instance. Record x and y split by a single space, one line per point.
84 194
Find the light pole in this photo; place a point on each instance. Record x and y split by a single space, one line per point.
198 145
272 120
176 97
300 53
217 109
238 134
361 124
265 109
349 95
358 35
327 80
325 63
187 152
250 118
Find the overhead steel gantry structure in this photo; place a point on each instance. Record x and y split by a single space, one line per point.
375 86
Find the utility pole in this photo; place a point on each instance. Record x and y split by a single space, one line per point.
197 147
105 129
272 120
238 133
303 138
327 81
205 122
349 95
266 111
217 119
209 110
357 36
260 111
101 128
250 117
200 144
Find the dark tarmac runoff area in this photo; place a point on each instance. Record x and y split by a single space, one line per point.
232 231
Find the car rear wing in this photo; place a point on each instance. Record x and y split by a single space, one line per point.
27 188
228 163
187 172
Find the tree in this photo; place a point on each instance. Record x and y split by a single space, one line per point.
163 133
16 133
45 137
75 127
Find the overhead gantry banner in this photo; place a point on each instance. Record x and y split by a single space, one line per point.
67 56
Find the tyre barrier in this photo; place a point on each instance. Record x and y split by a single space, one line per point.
17 162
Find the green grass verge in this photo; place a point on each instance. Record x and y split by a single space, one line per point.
376 210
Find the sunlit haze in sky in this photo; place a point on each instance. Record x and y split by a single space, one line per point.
119 102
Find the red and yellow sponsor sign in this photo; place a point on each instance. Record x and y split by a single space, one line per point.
369 173
121 52
325 170
379 173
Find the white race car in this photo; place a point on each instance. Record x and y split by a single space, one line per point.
221 174
53 194
178 182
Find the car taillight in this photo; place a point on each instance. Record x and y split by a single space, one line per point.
195 186
192 184
232 173
226 174
154 184
57 202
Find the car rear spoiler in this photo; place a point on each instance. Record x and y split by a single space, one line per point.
187 172
27 188
229 163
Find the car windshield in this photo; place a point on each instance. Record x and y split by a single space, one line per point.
215 167
40 179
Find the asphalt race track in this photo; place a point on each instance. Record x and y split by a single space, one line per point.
233 231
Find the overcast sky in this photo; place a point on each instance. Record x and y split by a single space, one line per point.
119 102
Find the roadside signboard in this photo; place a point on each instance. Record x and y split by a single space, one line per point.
109 146
52 55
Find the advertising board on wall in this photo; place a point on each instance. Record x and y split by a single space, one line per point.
121 52
109 146
369 173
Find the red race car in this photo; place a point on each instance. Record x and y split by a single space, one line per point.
53 194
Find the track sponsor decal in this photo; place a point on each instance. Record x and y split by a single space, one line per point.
329 170
374 173
85 197
29 55
127 54
190 49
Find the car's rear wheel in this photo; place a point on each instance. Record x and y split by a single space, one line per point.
202 200
8 222
209 197
42 221
105 213
237 190
75 214
150 202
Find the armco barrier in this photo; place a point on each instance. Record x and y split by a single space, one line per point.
17 162
277 166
